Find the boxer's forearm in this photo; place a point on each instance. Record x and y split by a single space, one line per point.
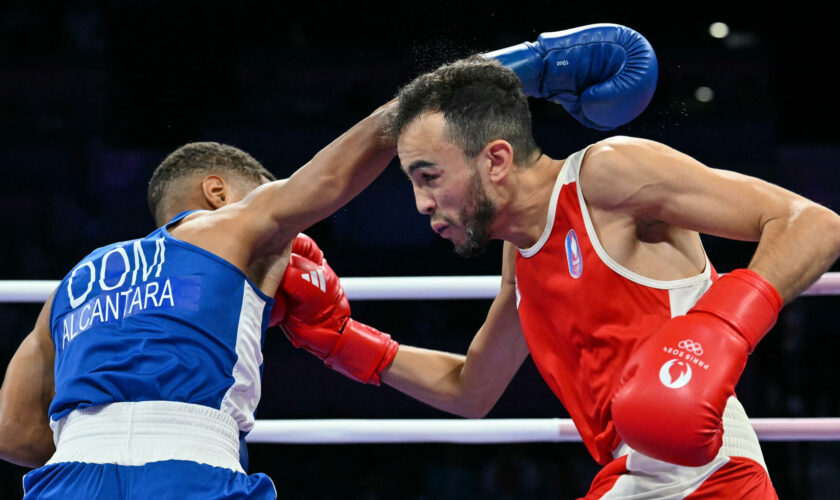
355 158
28 387
338 172
26 444
25 435
796 249
434 377
469 385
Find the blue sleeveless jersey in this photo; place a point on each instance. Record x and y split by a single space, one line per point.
158 319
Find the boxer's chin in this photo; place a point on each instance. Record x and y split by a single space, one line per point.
473 246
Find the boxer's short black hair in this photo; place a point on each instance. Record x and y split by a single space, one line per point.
201 157
481 101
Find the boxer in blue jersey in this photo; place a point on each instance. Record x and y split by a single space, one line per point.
142 373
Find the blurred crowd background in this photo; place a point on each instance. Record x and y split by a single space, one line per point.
94 94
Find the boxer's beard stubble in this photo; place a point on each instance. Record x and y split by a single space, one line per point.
477 216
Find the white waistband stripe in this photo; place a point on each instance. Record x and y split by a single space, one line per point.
147 431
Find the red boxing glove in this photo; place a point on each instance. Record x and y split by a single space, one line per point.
304 246
318 320
674 389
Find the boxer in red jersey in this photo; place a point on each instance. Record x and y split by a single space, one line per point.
604 282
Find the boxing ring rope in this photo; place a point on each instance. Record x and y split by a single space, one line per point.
382 288
487 431
352 431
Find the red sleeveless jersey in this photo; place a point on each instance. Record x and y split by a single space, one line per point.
583 314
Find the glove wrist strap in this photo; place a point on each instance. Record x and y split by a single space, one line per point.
361 352
746 301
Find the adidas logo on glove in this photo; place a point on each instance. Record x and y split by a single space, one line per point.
316 278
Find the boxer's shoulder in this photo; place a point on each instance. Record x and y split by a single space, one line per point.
615 149
615 172
605 169
223 232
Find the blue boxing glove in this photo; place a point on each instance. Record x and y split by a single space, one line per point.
603 74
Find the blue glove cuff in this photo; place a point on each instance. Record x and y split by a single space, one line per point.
525 60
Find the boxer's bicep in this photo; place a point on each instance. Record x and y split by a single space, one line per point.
28 388
652 182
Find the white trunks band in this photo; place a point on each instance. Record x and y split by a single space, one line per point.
147 431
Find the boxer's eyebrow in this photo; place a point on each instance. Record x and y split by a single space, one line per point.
418 164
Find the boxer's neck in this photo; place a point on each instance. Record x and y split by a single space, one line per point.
522 220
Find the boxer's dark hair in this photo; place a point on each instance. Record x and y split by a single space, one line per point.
481 101
200 157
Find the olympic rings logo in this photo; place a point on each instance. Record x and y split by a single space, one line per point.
691 346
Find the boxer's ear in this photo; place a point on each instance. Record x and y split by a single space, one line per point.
498 158
216 191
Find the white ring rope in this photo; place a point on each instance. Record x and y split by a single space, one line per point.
347 431
382 288
502 430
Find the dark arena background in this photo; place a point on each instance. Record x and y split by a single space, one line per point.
94 94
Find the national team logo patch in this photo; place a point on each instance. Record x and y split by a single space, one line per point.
573 254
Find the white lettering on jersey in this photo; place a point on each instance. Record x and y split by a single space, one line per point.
104 266
140 262
115 306
77 301
140 258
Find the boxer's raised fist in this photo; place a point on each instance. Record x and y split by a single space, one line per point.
675 386
304 246
317 319
604 75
